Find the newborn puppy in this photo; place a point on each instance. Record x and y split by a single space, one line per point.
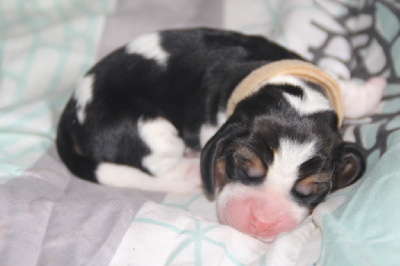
266 121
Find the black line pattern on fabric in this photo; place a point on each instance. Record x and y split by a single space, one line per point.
358 65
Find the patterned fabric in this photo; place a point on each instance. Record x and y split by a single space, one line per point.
45 46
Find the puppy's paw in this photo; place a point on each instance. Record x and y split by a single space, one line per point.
192 174
376 85
362 99
184 174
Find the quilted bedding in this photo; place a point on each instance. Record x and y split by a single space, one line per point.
49 217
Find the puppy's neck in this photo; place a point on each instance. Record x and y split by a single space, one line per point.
301 69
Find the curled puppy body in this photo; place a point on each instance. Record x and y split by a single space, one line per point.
135 115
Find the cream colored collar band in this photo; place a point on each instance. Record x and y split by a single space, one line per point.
304 70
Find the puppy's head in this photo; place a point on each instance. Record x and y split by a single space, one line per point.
270 165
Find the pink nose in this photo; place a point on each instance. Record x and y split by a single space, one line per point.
264 225
259 226
264 218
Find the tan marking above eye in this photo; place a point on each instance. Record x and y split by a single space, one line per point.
78 150
306 187
250 162
254 168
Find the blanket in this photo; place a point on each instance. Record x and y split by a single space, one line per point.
50 217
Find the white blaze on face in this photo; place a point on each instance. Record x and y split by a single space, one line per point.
83 96
149 46
290 155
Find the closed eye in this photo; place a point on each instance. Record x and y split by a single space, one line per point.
246 167
312 190
253 168
312 186
250 176
254 172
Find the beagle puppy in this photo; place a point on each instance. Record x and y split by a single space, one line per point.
266 121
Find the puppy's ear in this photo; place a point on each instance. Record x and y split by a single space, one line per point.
213 167
351 166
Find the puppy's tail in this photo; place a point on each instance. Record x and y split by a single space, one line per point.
72 156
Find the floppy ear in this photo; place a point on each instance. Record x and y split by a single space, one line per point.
213 173
351 166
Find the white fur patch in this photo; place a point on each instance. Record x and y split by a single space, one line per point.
165 145
283 172
83 95
312 101
115 175
207 130
149 46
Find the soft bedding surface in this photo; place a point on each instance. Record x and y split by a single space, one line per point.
49 217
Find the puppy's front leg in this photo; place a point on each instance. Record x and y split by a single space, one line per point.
169 170
362 99
167 160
